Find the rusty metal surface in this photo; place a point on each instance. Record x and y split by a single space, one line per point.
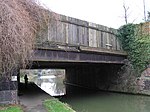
66 56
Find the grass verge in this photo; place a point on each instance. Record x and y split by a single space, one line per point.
4 108
54 105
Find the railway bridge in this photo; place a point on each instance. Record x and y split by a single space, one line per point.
90 53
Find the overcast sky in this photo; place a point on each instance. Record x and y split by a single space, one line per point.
105 12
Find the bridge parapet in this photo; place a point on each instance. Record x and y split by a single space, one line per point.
67 31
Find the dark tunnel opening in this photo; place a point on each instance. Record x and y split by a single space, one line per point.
93 76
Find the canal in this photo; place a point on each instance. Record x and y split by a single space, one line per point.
82 100
97 101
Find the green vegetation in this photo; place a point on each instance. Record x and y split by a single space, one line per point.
136 44
54 105
10 109
51 105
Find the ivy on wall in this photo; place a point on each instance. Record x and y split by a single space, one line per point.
136 44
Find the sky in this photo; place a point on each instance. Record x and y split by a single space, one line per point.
105 12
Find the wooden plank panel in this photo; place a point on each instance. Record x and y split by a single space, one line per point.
67 33
78 32
42 35
107 41
52 28
113 42
75 36
72 34
82 35
118 45
59 33
86 37
104 40
99 40
113 38
92 35
92 38
64 32
104 37
64 35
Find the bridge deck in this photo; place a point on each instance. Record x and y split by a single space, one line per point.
72 40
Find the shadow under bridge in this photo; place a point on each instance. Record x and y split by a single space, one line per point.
83 69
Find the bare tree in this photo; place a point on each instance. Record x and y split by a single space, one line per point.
144 10
20 21
126 8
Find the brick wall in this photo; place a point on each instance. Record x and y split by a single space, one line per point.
144 82
8 91
145 28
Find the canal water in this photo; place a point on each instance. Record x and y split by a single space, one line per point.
87 100
98 101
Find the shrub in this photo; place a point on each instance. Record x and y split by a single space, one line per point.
136 44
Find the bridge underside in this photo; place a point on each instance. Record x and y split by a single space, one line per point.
100 76
59 57
85 69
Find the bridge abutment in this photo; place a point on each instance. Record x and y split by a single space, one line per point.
8 90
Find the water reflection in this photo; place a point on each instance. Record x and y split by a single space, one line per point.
49 80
